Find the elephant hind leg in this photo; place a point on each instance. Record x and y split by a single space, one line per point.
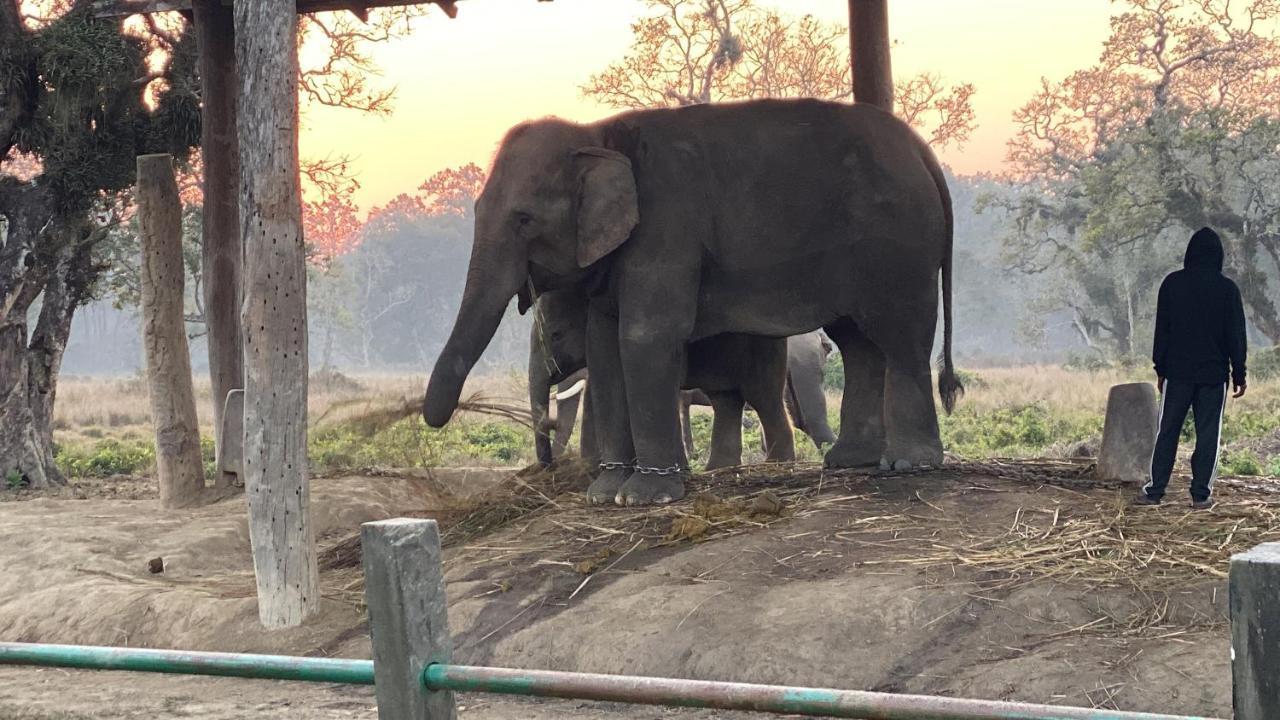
861 442
912 437
726 429
779 438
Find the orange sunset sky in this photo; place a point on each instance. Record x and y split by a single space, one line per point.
461 83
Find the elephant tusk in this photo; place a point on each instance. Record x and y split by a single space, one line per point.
573 390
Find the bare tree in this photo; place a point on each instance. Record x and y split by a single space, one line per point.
689 52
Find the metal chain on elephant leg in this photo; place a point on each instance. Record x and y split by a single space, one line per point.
673 470
614 465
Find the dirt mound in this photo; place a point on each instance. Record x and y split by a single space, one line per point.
1011 580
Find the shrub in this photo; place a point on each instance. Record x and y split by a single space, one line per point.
1273 467
1242 463
1265 364
1016 430
833 372
106 458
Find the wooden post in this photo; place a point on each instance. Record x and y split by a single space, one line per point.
408 616
1255 632
223 253
274 314
173 402
869 51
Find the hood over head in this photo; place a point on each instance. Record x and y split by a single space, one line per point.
1204 252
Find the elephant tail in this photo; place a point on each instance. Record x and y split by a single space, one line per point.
949 387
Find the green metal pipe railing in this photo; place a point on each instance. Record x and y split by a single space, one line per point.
577 686
759 698
265 667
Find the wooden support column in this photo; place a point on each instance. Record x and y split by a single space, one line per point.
274 314
869 51
223 252
173 402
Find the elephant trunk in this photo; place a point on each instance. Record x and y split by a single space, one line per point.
491 283
540 402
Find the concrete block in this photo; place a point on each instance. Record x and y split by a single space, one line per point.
1255 632
1129 433
408 621
231 449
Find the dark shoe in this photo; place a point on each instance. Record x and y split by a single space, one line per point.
1206 504
1145 499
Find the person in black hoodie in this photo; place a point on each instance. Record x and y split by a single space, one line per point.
1199 347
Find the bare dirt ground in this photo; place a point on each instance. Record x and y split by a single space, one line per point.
994 581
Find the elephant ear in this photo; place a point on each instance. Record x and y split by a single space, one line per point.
607 207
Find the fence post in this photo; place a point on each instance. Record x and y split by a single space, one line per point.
408 617
1255 632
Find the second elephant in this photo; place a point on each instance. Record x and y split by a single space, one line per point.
726 372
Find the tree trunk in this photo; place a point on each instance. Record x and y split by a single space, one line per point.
869 50
223 252
173 402
274 315
25 457
26 448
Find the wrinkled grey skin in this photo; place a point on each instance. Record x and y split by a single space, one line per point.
728 372
770 218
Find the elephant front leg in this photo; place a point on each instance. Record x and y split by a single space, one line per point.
607 400
652 364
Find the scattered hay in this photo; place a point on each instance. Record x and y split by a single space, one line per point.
1113 544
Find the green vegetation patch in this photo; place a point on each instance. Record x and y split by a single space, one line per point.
409 443
1015 430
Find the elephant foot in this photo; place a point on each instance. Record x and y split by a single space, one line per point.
849 455
911 458
651 489
605 487
715 463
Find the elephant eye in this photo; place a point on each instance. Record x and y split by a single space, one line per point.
523 219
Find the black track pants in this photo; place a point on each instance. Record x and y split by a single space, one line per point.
1207 403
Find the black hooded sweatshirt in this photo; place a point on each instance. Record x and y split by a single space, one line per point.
1200 331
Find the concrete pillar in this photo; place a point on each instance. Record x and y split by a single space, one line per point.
1255 632
408 617
1129 433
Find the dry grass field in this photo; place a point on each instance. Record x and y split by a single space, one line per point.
369 420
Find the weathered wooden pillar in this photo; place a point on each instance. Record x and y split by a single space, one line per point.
223 252
869 51
173 402
274 314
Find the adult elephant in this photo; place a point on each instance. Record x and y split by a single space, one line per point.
770 218
726 372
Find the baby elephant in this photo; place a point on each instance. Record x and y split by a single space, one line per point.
730 370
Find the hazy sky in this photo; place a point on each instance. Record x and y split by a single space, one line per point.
461 83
